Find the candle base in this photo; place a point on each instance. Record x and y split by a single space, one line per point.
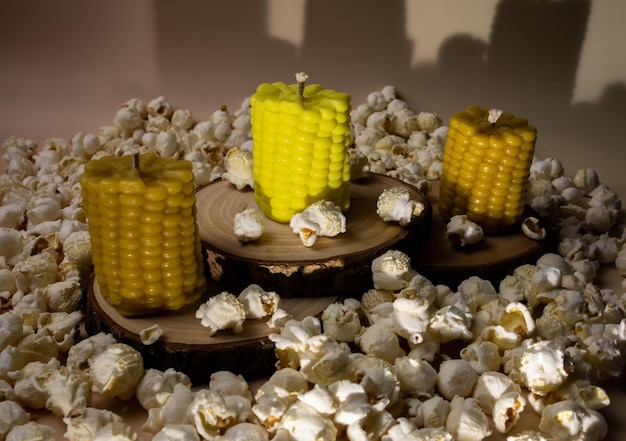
491 259
278 261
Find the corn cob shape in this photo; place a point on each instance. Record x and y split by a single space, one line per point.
485 168
144 236
300 148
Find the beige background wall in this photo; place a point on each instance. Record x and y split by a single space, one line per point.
66 66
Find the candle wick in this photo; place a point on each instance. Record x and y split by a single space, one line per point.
494 115
301 78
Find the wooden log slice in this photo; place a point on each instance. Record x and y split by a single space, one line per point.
278 261
185 344
492 259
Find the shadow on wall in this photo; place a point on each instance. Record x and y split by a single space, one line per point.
528 68
340 50
206 42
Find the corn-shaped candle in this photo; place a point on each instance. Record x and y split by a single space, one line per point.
486 163
301 138
145 240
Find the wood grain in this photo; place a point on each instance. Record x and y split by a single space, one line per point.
492 259
187 346
278 261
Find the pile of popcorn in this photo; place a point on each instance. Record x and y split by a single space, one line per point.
384 367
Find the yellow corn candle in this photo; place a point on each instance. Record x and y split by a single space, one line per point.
486 163
301 137
145 240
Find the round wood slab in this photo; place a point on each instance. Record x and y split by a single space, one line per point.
492 259
186 345
278 261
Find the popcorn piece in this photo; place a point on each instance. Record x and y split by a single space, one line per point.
80 355
320 399
325 360
11 242
248 225
373 426
293 339
451 323
306 229
433 412
490 387
604 249
463 232
151 334
517 318
569 420
392 270
304 423
341 322
31 431
11 414
533 229
584 393
359 165
11 329
322 218
279 318
353 402
13 215
211 413
155 382
415 376
160 107
228 384
546 169
456 378
466 422
42 209
118 431
507 410
28 382
374 297
380 383
483 356
63 296
238 165
586 179
381 341
85 425
116 371
259 303
376 101
428 121
222 311
275 396
243 431
172 408
540 366
178 432
68 393
395 205
61 326
35 272
411 318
